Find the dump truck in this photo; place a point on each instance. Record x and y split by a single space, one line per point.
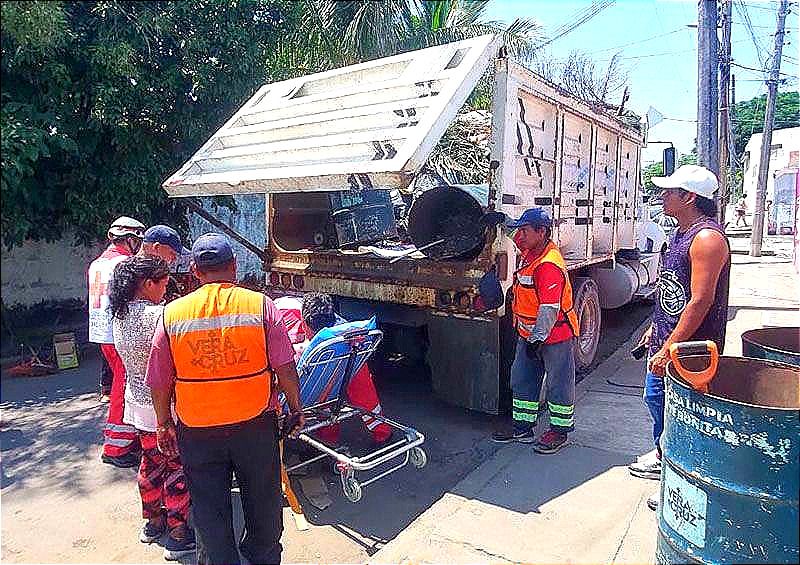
363 201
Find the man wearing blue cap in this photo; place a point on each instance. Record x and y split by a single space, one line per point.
164 242
220 352
547 326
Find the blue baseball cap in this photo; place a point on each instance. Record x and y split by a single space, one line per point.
534 217
165 235
211 249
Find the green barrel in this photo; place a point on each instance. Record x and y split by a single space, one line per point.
775 344
730 475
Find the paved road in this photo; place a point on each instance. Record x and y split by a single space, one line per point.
59 503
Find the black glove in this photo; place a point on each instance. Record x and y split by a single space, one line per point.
534 349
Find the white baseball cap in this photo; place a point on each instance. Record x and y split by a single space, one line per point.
126 226
690 178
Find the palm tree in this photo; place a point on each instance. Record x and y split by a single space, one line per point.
338 33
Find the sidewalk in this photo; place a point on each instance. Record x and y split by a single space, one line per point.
581 505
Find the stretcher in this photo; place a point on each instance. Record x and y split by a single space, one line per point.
324 373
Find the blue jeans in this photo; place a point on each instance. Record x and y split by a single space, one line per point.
557 360
654 400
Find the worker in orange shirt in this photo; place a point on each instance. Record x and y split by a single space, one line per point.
547 326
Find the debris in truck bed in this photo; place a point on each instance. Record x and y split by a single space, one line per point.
462 154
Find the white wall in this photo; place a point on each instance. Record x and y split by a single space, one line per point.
783 157
40 271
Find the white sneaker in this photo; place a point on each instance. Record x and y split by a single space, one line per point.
652 454
646 469
653 500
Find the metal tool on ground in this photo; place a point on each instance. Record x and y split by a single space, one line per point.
731 463
32 367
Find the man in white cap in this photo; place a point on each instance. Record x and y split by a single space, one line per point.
692 298
120 447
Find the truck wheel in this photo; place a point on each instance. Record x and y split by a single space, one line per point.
587 306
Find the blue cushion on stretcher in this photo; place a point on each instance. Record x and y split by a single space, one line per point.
336 331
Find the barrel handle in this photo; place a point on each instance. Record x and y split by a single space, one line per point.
700 379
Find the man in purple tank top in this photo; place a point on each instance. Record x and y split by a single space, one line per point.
692 297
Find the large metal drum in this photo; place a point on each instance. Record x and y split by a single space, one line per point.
729 488
775 344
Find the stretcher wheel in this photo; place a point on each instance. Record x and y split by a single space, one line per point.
418 457
338 467
351 488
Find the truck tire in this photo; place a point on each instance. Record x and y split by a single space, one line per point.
587 306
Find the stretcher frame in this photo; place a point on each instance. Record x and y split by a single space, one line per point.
343 356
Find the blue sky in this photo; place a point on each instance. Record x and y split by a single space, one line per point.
660 52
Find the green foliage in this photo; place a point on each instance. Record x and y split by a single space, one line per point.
657 170
351 31
652 170
748 116
102 100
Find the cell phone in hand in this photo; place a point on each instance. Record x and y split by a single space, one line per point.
639 351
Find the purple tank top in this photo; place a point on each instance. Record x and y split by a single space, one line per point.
674 291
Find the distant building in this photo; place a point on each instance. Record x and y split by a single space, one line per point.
784 164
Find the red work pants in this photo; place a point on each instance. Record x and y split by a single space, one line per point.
362 394
118 438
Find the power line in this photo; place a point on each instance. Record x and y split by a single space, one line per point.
758 70
578 19
774 8
741 7
637 42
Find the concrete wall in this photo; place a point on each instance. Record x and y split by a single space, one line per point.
39 271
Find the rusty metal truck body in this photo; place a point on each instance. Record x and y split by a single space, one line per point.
372 127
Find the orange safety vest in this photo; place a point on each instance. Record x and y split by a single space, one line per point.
219 346
526 299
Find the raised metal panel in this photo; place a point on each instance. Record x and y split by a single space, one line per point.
627 194
575 217
603 190
370 125
531 148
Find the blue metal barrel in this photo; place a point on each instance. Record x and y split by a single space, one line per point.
730 479
775 344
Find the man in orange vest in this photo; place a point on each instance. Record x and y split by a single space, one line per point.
547 326
220 352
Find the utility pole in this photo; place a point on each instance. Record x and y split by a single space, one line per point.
724 108
766 138
707 65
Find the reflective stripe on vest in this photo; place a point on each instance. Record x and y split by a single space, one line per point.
218 343
526 299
